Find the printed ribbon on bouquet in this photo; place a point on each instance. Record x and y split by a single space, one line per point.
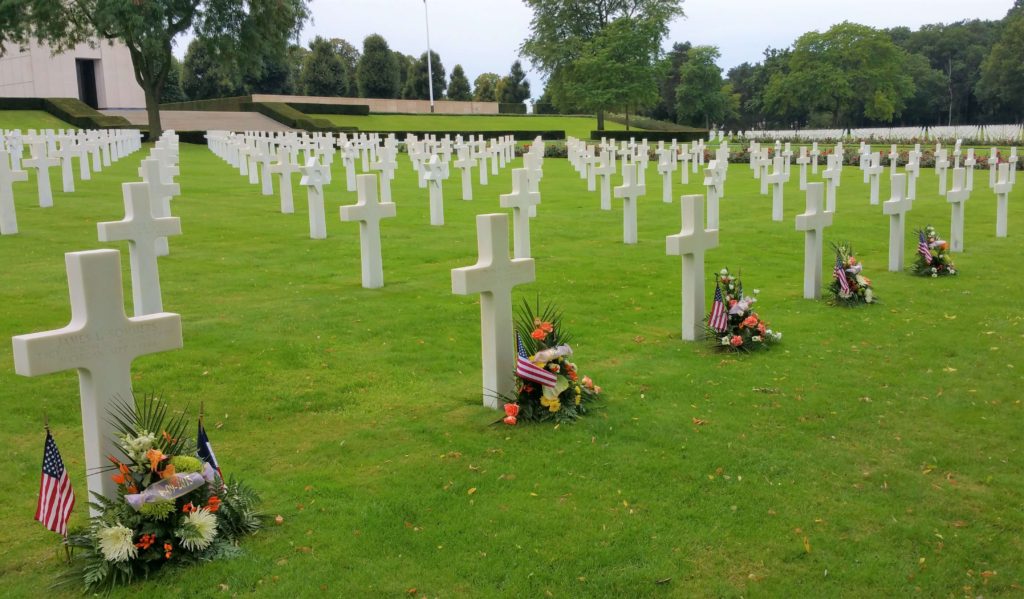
171 488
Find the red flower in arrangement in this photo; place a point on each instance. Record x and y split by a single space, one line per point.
736 341
146 541
511 411
213 504
732 303
188 508
546 327
751 322
538 334
527 389
168 550
510 420
554 367
760 328
573 375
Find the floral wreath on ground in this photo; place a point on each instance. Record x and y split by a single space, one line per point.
732 324
548 385
933 259
849 287
172 507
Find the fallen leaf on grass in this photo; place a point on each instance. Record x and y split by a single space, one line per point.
699 422
807 545
663 581
949 369
471 491
279 520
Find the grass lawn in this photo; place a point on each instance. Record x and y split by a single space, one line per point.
876 452
31 119
577 126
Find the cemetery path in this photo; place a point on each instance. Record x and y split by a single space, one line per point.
194 120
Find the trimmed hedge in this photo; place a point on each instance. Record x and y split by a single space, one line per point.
288 116
690 135
70 110
511 108
517 135
232 104
350 109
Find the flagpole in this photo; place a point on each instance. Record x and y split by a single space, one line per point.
430 72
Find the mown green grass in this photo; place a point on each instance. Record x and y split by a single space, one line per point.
888 436
31 119
576 126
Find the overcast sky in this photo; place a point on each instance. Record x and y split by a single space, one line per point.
484 35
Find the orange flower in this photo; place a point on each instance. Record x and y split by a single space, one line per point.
554 367
132 489
213 504
510 420
170 440
124 468
538 334
512 409
188 508
155 456
146 541
760 328
168 550
573 375
118 479
736 341
751 322
546 327
168 472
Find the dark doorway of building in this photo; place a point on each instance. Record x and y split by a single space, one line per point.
87 81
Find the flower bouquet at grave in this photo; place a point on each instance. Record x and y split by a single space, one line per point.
732 324
933 259
849 287
172 507
548 385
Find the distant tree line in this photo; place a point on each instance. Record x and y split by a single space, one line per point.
334 67
606 55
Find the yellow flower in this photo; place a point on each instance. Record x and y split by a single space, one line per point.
552 404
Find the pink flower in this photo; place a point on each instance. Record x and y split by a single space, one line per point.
510 420
736 341
512 410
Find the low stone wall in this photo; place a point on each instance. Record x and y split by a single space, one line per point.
390 105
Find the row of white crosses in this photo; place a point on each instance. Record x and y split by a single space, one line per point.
49 149
101 341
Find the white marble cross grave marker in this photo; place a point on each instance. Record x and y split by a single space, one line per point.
1003 187
434 175
713 184
956 196
8 177
814 153
665 167
66 154
691 243
606 169
493 277
520 200
941 166
897 208
465 164
833 175
803 160
629 191
969 163
369 211
873 171
387 166
777 180
313 179
284 167
160 194
42 163
812 223
101 343
141 229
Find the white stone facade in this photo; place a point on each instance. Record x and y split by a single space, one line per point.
34 72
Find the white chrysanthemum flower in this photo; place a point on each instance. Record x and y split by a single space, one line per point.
723 272
725 341
868 296
778 336
198 530
116 543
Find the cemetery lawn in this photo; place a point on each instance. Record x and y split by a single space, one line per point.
577 126
31 119
876 451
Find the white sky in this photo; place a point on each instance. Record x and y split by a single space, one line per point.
484 35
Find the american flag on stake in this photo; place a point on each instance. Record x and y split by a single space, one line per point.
719 319
840 274
56 497
922 248
525 369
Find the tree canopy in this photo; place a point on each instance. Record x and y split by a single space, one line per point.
458 85
323 72
702 97
237 29
377 71
417 84
485 87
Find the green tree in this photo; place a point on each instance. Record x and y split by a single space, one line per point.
1001 84
485 87
458 85
349 55
417 86
404 64
238 28
665 108
853 72
561 32
616 70
205 75
377 72
323 72
513 88
172 89
702 97
294 57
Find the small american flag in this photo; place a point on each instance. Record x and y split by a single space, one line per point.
525 369
840 275
205 450
718 320
56 497
922 248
